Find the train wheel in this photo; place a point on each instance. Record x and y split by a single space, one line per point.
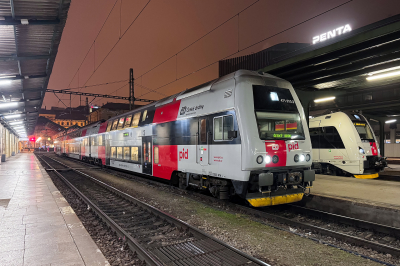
182 182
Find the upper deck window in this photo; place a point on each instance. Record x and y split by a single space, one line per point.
121 122
276 113
128 121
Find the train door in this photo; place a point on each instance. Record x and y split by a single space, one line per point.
315 134
147 147
108 149
202 151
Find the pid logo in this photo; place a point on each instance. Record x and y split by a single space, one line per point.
294 146
184 154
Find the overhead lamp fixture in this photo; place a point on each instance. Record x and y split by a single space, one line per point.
16 123
8 105
12 116
390 121
324 99
5 81
383 70
39 138
386 75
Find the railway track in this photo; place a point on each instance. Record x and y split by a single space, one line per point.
157 238
279 215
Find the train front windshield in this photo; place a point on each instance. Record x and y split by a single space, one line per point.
364 131
276 113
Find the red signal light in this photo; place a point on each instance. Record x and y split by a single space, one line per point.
32 139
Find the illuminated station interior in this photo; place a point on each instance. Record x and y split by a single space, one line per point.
169 133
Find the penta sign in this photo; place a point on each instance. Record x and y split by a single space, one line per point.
331 34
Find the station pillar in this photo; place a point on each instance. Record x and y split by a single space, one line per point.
393 128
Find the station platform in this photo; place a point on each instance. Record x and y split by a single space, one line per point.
374 200
37 225
376 191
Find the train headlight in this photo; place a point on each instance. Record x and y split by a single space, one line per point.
302 157
296 158
259 159
308 157
267 159
275 159
361 150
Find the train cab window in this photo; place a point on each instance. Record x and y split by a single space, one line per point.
128 121
135 120
115 124
126 153
222 125
144 115
109 126
119 153
135 153
113 152
156 158
203 131
100 140
121 122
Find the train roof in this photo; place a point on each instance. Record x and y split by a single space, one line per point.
181 95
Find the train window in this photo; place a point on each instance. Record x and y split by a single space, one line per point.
93 140
144 115
113 152
218 130
149 148
135 153
115 124
156 159
330 139
228 125
109 126
126 153
203 131
119 152
121 123
135 120
100 140
222 125
128 121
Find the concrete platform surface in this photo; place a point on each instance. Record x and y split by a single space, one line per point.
371 191
37 225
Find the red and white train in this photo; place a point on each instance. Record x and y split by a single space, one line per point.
242 134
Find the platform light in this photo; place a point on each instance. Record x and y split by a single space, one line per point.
12 116
16 123
390 121
5 82
383 70
324 99
18 127
8 105
386 75
38 139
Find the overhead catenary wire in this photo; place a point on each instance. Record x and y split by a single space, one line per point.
249 46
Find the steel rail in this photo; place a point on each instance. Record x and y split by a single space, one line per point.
166 216
135 246
305 226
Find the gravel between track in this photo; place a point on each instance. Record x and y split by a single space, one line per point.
241 231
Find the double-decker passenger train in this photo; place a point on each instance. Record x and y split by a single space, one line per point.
242 134
344 143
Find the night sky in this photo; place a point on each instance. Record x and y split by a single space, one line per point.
166 27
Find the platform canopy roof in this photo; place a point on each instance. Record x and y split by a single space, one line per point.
30 33
342 66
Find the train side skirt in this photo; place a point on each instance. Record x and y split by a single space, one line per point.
371 176
276 200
